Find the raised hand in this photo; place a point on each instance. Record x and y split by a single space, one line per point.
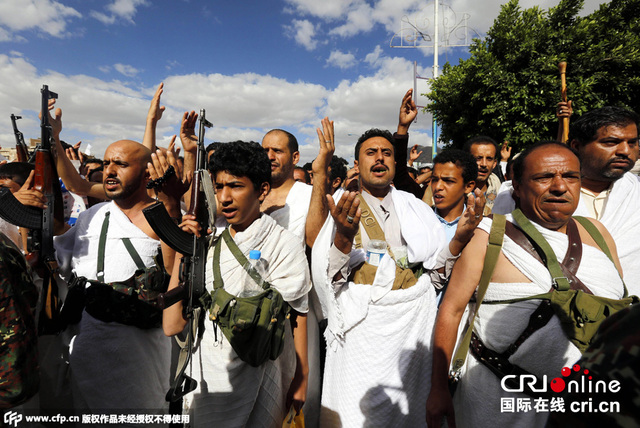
414 154
564 109
31 197
155 109
188 135
408 112
167 172
327 147
505 151
470 219
54 121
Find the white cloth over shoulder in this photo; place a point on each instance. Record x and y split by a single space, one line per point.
230 392
378 361
293 215
620 217
113 366
478 399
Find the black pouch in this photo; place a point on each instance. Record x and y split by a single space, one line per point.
131 302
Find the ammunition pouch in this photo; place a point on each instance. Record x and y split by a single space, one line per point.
254 326
581 313
131 302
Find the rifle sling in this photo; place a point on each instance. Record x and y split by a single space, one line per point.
102 244
240 258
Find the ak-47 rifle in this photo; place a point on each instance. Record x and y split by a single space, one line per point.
192 265
22 151
41 222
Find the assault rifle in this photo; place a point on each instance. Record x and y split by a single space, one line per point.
41 222
22 151
194 251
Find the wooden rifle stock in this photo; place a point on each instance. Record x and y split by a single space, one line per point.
22 151
562 67
46 180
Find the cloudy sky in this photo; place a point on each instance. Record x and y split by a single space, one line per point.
253 65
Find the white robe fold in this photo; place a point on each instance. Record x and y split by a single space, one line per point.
230 392
547 351
113 366
293 217
378 364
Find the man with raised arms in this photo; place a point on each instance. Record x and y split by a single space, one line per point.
379 318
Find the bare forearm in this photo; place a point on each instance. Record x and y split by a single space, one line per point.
444 341
300 344
149 139
172 320
318 208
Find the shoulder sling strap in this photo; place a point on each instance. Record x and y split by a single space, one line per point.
103 242
217 276
371 226
496 237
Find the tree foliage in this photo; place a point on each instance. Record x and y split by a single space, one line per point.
509 87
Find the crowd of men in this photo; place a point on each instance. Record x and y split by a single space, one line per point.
379 266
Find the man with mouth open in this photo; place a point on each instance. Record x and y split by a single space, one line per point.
515 332
109 359
230 391
380 311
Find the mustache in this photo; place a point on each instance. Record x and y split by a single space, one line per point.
620 159
378 165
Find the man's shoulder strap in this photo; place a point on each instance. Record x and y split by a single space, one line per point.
496 238
237 253
371 226
595 234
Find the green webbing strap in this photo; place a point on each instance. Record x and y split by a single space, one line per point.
559 280
496 237
217 277
103 243
133 253
599 239
595 234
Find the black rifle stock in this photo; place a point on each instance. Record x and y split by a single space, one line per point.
192 267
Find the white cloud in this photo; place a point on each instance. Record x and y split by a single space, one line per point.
327 9
241 106
303 32
126 70
123 10
373 58
246 100
348 18
45 16
104 68
342 60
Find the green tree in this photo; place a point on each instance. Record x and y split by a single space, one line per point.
509 87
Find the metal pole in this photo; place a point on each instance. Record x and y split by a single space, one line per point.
436 40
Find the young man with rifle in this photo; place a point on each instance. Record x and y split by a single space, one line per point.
246 382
